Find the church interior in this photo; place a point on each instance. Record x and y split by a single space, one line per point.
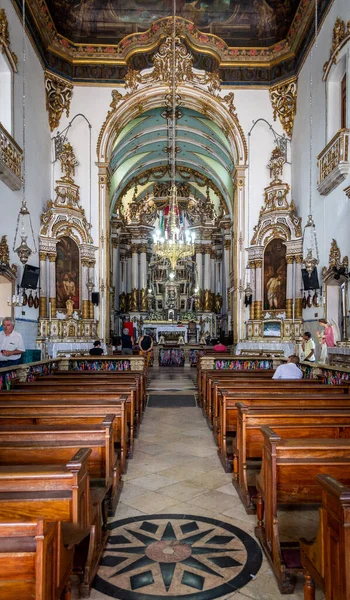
174 299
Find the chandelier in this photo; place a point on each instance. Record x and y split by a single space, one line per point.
310 246
174 244
24 219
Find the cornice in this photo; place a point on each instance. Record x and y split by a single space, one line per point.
88 63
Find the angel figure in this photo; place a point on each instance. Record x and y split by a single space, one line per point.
326 338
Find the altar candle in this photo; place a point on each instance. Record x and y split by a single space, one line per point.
49 311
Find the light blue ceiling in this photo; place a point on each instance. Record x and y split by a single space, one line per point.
142 146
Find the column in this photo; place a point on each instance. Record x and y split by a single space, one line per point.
298 287
207 279
123 275
218 283
143 278
91 278
85 301
226 274
259 290
199 264
128 280
43 286
212 278
289 287
253 286
134 302
52 285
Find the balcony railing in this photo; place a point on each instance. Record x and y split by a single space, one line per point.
333 162
10 160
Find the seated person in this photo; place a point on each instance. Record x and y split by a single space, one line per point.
219 347
96 350
289 370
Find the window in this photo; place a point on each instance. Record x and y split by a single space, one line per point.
6 77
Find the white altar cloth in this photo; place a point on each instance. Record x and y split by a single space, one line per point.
287 347
71 347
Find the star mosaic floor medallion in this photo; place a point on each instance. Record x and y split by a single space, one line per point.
176 556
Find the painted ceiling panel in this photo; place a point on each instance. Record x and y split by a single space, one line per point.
245 22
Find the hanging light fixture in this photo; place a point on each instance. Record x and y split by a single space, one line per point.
175 244
310 246
24 220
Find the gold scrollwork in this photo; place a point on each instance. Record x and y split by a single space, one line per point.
58 98
284 103
143 300
5 41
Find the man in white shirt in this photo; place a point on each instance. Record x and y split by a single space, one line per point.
11 344
308 347
289 370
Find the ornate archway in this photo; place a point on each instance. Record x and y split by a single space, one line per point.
200 92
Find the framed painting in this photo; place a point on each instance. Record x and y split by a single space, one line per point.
275 275
67 273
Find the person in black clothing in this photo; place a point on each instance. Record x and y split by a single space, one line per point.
96 350
126 342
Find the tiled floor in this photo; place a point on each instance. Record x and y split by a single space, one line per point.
176 471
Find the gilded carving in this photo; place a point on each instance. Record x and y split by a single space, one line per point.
333 162
143 300
284 103
10 161
341 35
335 262
276 164
122 302
133 306
58 98
68 163
5 41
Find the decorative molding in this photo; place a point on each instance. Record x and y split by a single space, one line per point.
334 262
284 103
59 94
340 37
5 41
5 269
333 162
10 161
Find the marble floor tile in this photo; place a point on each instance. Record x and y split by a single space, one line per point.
175 474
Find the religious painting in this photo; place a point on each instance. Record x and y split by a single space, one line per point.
67 273
272 329
239 23
275 275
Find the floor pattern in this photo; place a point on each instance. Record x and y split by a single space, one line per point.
176 477
183 555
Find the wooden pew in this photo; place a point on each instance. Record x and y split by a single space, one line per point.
261 385
230 375
288 471
120 376
326 560
34 563
53 492
53 445
80 404
86 388
227 409
293 422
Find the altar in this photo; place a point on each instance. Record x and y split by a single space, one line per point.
169 330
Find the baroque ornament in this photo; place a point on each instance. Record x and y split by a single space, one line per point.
5 41
58 98
284 103
335 263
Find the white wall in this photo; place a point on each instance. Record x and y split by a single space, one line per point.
38 154
331 213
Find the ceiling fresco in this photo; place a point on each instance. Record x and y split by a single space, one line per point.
245 22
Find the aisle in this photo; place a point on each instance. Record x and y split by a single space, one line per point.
180 529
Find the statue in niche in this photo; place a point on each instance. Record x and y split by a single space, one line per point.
275 275
69 307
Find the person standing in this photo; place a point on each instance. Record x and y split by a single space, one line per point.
308 347
289 370
146 345
11 344
127 342
326 339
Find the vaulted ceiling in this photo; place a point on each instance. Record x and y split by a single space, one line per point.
203 157
249 41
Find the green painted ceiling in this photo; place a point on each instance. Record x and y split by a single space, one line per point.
142 145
